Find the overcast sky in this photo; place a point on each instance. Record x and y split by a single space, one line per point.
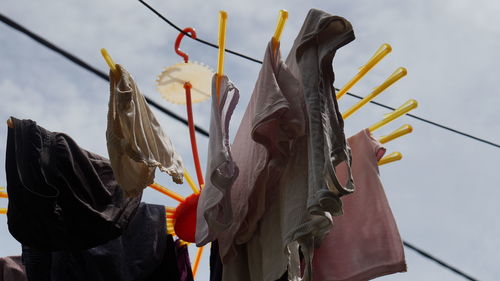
444 193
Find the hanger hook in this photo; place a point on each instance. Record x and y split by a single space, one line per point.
192 33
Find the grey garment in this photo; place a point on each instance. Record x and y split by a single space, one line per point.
136 142
214 213
324 147
12 269
311 62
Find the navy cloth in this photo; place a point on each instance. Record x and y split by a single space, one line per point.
143 253
215 262
183 262
61 197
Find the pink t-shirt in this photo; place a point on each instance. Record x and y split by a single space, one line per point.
364 242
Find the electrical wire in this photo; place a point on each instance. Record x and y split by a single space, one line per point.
103 76
349 94
90 68
438 261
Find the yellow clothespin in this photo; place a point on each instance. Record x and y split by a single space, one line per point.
401 131
197 260
191 182
400 111
282 17
398 74
395 156
376 58
10 124
222 47
167 192
108 60
3 211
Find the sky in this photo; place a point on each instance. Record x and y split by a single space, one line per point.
443 193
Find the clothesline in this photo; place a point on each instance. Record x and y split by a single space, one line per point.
348 93
104 76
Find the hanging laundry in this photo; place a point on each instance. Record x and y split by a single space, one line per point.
272 120
261 255
144 252
136 142
310 60
214 213
61 196
293 204
365 243
320 37
12 269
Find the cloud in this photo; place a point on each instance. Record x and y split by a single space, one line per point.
443 193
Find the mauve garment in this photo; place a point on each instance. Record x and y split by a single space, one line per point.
136 142
12 269
272 120
144 252
365 242
286 222
61 197
214 213
263 256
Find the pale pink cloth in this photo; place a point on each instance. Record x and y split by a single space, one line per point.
364 242
12 269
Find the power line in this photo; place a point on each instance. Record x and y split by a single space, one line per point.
440 262
103 76
90 68
198 39
350 94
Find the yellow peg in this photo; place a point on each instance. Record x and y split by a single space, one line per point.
222 47
10 124
108 60
395 156
400 111
3 194
282 17
197 260
3 211
401 131
398 74
376 58
191 182
170 229
182 242
167 192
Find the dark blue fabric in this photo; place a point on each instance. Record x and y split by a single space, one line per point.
215 262
143 253
61 197
183 262
136 255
